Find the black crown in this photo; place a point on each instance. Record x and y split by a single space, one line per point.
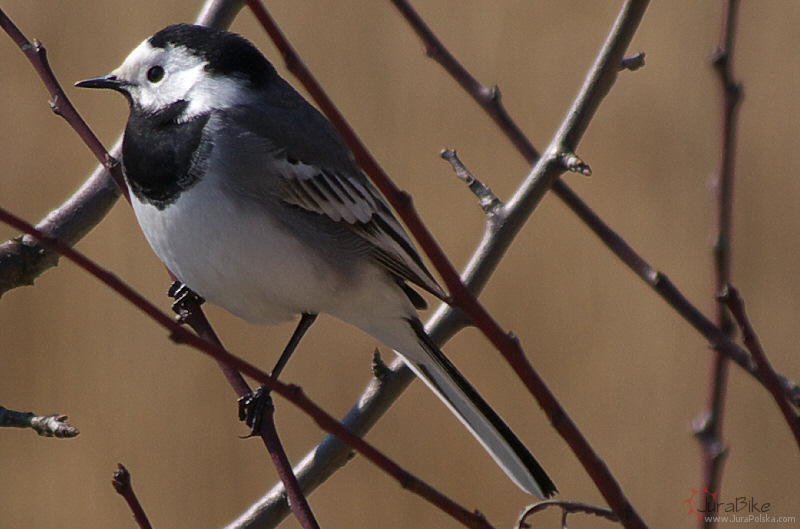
226 53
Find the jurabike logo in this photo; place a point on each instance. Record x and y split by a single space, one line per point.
704 504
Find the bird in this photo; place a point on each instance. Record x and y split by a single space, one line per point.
250 197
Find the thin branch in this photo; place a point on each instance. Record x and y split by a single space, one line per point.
730 297
331 454
710 431
59 102
488 200
45 425
597 85
489 99
298 502
121 480
290 392
569 507
188 307
486 258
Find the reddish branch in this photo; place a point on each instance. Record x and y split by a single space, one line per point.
61 105
22 261
121 481
290 392
489 101
191 314
710 432
729 296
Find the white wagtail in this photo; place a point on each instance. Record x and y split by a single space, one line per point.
246 192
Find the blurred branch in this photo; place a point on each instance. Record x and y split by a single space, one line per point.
710 430
568 507
729 296
290 392
45 425
596 86
23 259
121 480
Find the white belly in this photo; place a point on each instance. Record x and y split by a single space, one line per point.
240 258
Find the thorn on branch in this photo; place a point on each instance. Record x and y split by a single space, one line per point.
495 96
489 202
45 425
702 428
572 163
488 94
719 59
632 63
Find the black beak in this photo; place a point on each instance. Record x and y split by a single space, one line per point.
104 81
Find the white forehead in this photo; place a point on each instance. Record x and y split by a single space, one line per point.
185 78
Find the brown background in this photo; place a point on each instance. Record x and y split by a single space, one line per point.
630 372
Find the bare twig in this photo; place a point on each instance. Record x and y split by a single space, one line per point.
121 480
488 200
568 507
710 427
59 102
45 425
292 393
485 259
298 502
729 296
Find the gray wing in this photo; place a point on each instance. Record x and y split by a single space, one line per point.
311 169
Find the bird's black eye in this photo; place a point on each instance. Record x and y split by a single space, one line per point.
155 73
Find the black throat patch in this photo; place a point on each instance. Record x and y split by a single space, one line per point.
162 157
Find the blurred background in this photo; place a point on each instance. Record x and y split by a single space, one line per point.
629 371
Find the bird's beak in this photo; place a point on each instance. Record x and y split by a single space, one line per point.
104 81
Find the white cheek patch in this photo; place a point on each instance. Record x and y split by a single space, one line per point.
185 78
214 92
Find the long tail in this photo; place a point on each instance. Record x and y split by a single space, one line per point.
487 427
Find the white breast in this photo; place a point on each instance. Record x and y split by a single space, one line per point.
239 257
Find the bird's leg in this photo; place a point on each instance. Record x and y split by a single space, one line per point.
251 407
